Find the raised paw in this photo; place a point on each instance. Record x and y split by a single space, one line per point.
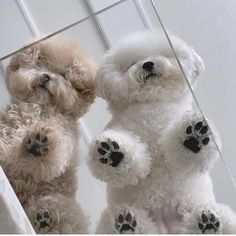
43 221
110 153
37 144
197 136
208 222
125 223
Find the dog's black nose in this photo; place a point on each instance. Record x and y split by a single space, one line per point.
46 78
148 66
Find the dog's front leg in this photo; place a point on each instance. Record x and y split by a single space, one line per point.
119 157
189 145
44 152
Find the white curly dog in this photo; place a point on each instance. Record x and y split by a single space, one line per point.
156 152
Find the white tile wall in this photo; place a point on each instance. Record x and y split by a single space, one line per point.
52 15
120 21
99 5
14 32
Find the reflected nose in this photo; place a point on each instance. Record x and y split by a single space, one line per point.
148 66
46 78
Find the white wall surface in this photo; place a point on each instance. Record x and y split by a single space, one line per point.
208 25
50 16
13 29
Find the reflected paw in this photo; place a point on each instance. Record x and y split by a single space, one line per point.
208 222
125 223
37 144
43 221
197 136
110 153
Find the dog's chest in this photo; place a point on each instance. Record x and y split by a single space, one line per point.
148 121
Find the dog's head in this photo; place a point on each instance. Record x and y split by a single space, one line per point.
54 72
142 68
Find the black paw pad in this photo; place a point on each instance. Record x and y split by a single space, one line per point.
208 222
37 144
125 223
43 221
110 153
197 136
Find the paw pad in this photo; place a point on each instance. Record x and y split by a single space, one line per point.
110 153
125 223
197 136
37 144
43 220
208 222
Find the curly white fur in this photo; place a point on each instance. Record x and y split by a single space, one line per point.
155 130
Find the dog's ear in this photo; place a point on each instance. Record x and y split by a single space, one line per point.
81 75
198 64
24 58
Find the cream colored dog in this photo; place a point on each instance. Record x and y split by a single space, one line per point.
52 85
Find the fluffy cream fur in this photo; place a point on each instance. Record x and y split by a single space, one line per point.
156 152
52 85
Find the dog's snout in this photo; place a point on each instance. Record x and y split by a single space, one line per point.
46 78
148 66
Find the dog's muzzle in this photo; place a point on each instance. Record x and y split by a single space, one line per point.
45 79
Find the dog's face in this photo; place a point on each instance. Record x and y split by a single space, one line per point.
142 68
55 72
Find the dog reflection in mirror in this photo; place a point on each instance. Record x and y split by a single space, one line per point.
52 85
